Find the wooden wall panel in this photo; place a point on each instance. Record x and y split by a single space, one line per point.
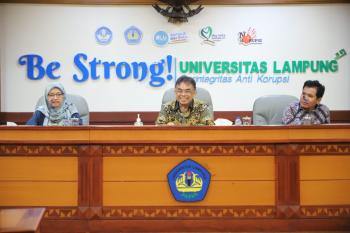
325 192
244 180
287 181
38 181
220 167
38 169
332 167
30 193
219 225
324 180
225 193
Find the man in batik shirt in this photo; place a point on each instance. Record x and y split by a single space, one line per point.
185 110
308 109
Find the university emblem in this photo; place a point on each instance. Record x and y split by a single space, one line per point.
189 181
161 38
103 35
133 35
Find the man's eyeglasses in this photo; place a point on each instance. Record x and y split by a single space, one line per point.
58 95
186 91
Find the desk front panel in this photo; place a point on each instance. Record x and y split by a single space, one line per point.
38 181
110 179
325 180
142 181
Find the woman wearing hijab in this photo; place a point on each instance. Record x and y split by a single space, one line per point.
56 110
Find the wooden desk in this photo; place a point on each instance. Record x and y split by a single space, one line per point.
113 178
20 220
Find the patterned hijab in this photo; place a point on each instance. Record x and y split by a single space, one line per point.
56 116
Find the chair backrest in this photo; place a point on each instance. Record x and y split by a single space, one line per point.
268 110
202 94
78 101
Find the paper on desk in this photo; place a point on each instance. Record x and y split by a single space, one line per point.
222 122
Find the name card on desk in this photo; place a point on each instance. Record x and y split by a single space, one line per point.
20 220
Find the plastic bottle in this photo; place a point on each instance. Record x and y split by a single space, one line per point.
238 121
138 121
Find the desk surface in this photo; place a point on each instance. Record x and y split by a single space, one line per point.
20 220
176 134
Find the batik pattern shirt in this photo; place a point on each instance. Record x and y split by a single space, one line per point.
294 114
197 114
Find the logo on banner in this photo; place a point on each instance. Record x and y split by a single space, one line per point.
103 35
161 38
189 181
209 37
133 35
341 53
249 37
178 37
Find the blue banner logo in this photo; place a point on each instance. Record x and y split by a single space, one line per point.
133 35
189 181
161 38
103 35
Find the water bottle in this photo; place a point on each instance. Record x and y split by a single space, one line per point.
238 121
138 121
307 119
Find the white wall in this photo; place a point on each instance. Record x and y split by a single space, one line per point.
59 32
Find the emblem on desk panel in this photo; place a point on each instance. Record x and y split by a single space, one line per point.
103 35
189 181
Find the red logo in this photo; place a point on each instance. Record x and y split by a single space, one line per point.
249 37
